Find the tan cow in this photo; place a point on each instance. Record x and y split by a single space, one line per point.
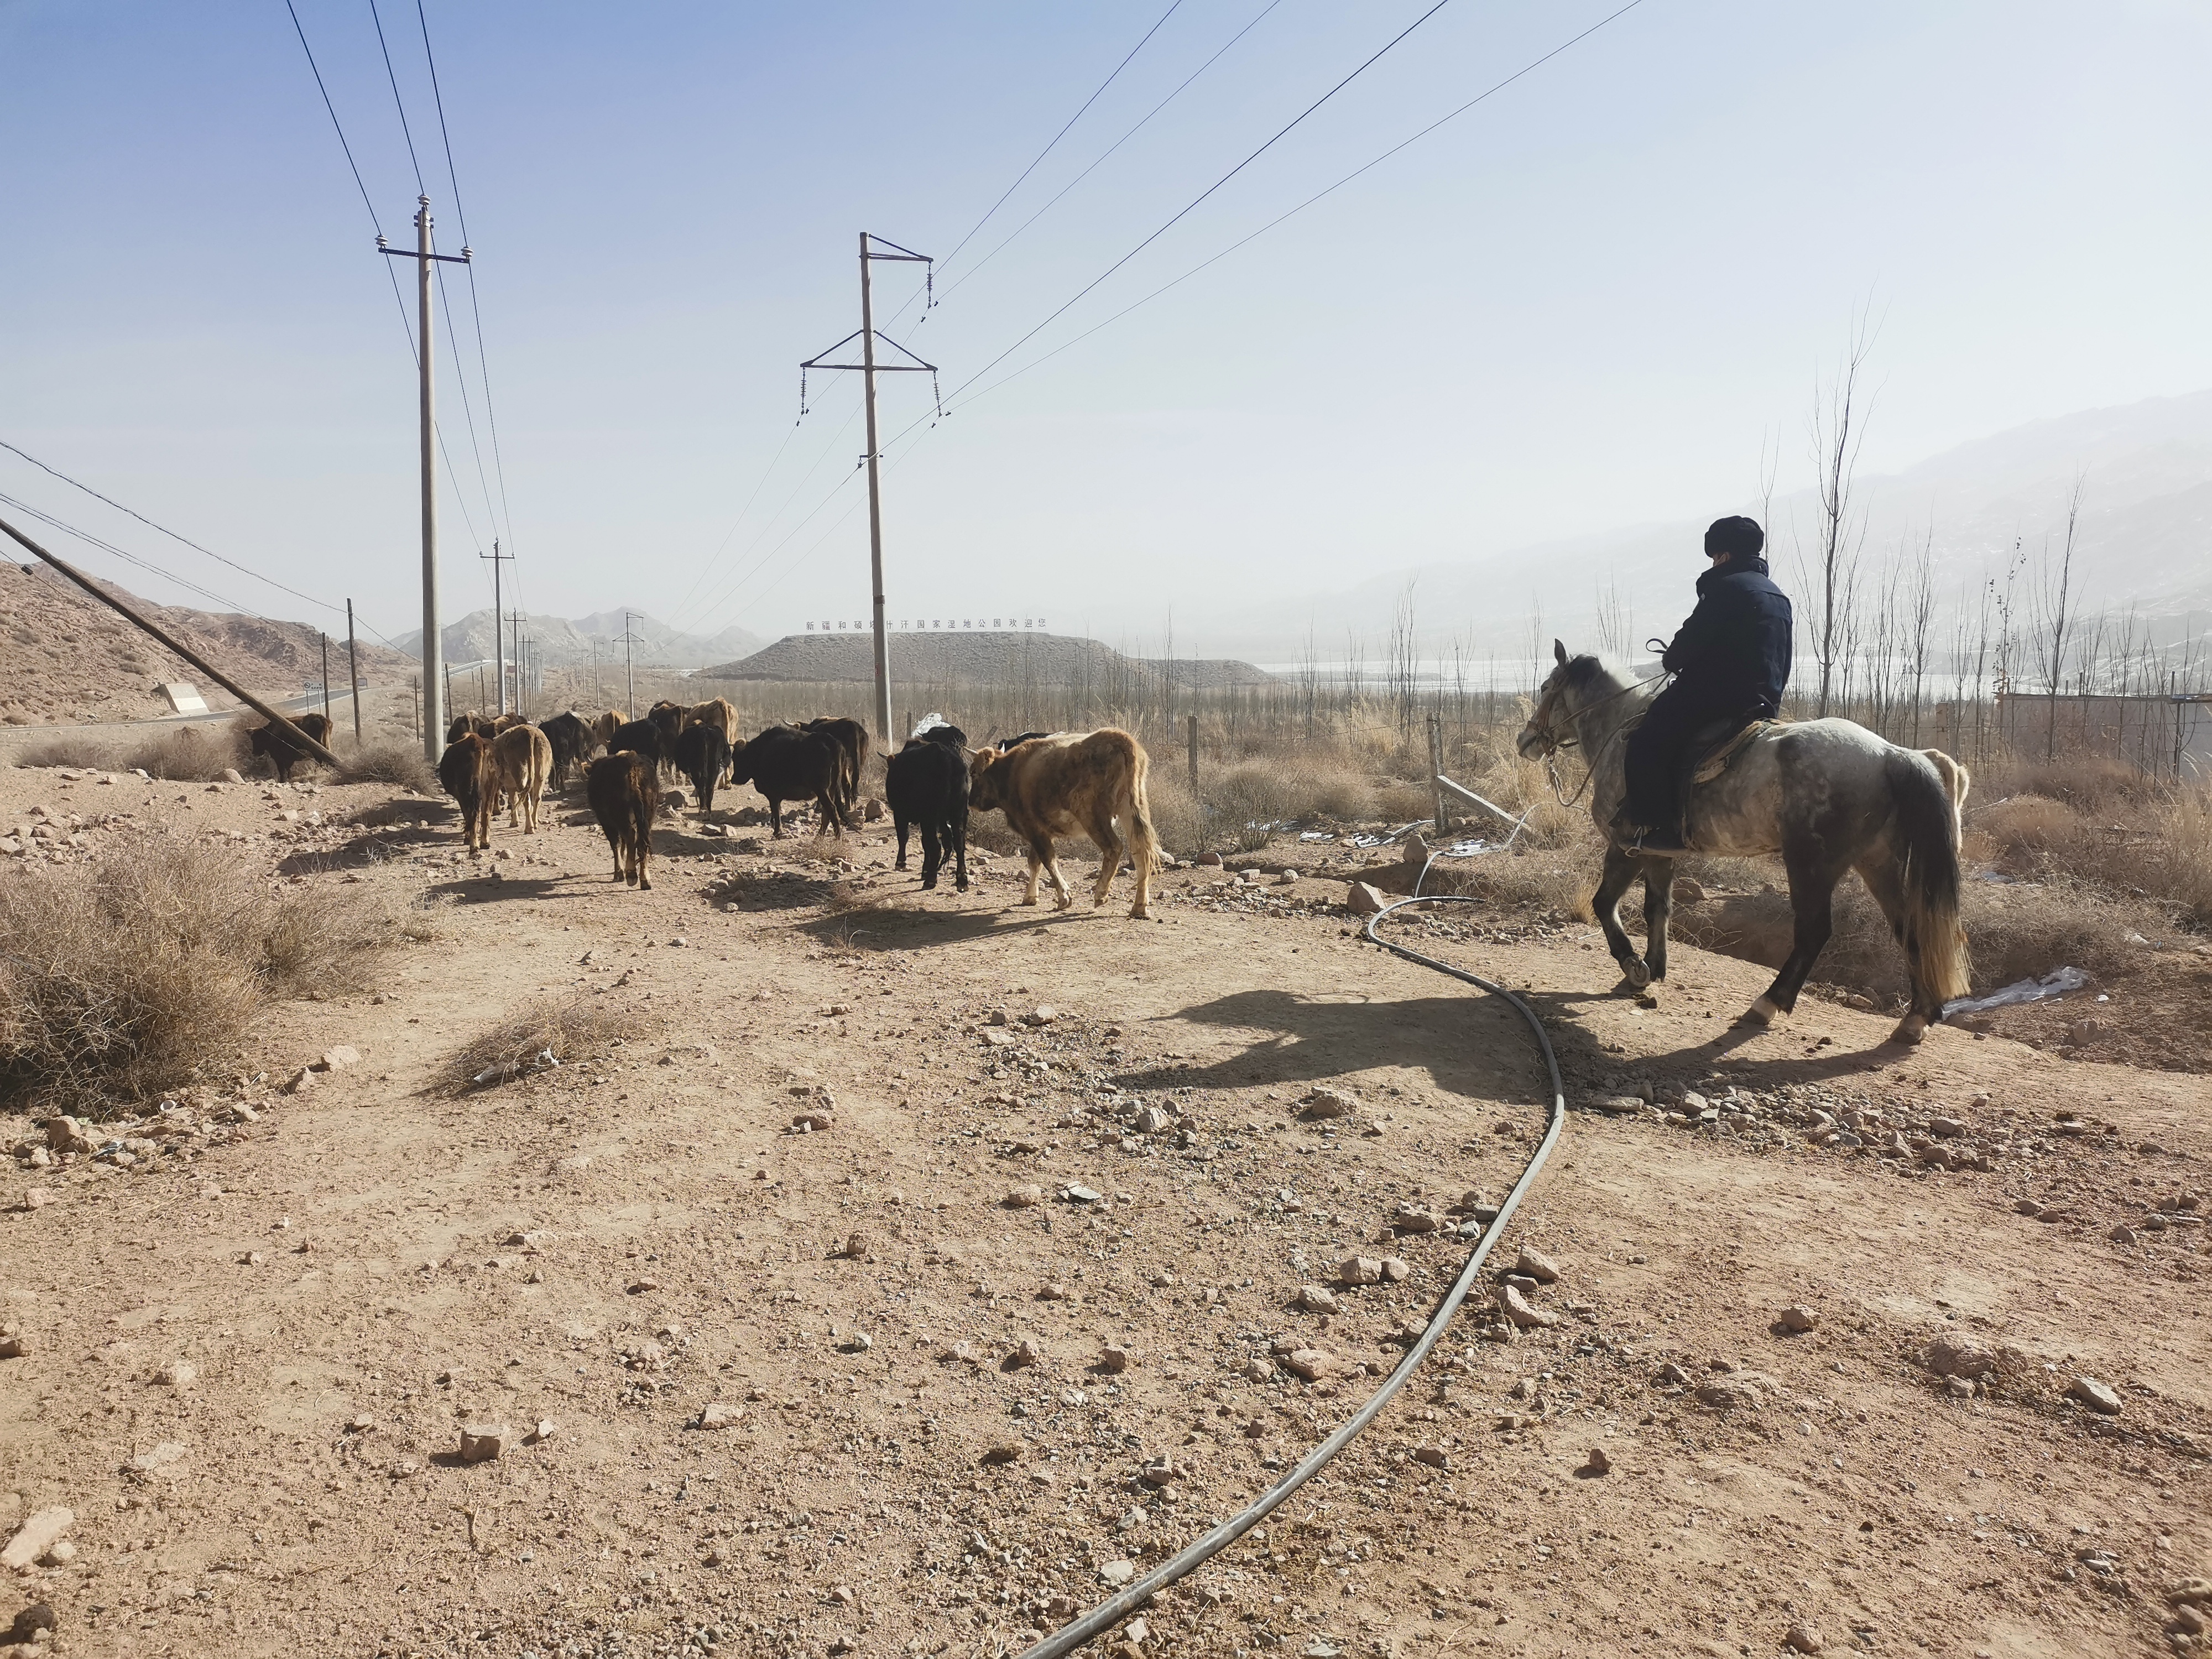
603 727
522 759
718 711
1073 783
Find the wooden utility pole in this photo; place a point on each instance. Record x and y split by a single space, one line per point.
498 646
1192 729
353 674
630 670
434 731
293 732
1436 770
326 678
870 368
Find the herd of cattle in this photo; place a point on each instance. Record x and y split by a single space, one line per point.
1048 785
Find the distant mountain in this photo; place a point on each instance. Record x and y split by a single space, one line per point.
561 643
980 657
2144 537
70 659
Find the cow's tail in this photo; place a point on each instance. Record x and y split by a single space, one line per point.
1144 842
1934 938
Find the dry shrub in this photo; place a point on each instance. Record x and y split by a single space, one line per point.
186 754
78 749
569 1029
193 754
2019 834
2096 783
1291 787
2014 931
1178 821
1542 880
2154 847
142 971
397 763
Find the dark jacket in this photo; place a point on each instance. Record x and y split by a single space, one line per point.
1734 651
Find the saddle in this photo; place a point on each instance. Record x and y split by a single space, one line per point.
1717 743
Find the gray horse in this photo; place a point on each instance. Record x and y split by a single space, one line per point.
1828 795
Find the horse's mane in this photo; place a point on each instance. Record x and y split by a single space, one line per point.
1594 671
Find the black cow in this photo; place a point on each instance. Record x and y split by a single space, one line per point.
702 755
572 741
787 764
640 738
667 719
852 740
624 790
467 772
926 784
281 752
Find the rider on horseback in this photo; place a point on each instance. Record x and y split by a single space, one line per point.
1731 658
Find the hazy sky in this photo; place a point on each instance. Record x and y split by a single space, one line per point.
1586 302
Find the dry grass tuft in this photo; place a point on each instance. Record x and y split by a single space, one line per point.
82 750
397 763
193 754
184 754
141 973
568 1028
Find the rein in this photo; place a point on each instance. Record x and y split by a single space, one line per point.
1552 745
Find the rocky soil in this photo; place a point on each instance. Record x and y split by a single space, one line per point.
891 1273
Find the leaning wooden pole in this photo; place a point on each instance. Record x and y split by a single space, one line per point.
292 733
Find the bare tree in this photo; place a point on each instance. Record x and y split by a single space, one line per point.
1838 429
1920 623
2054 617
1404 665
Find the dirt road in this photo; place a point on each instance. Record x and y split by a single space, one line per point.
765 1390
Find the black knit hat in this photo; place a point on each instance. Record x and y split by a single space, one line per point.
1737 538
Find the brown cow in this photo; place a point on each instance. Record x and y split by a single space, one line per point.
1073 783
468 722
281 752
624 790
465 769
603 727
522 759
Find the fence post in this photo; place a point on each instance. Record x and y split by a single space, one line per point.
1436 768
1191 726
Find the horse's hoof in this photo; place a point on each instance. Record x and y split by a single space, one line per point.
1140 914
1636 973
1909 1029
1761 1014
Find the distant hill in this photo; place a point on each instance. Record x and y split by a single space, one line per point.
569 642
68 658
2145 536
981 658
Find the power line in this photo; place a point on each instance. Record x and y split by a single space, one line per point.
75 483
1111 148
1061 134
338 127
1454 115
333 108
1193 205
476 310
147 565
399 104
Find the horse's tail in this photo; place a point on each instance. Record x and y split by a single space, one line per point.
1928 825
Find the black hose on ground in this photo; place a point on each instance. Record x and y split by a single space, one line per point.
1111 1612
